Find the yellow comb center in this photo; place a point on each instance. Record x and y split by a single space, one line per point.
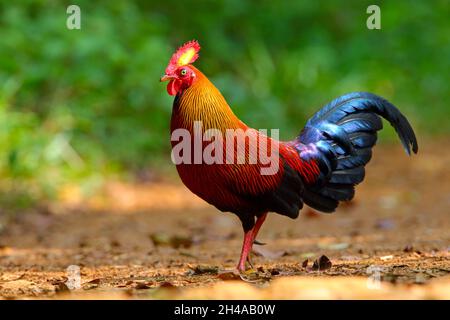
186 57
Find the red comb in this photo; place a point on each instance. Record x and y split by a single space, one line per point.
186 54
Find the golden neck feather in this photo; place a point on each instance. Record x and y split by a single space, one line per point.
203 102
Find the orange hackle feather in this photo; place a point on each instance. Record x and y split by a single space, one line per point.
202 101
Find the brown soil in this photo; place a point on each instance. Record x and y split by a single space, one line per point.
159 241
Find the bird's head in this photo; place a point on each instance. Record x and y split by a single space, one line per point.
180 74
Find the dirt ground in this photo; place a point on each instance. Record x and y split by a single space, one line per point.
156 240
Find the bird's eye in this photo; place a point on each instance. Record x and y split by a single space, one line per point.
183 72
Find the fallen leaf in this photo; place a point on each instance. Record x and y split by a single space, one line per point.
91 284
275 272
323 263
163 239
94 281
181 242
142 286
160 239
60 286
305 263
200 269
166 284
115 244
252 275
229 275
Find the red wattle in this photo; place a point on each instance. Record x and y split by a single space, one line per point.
173 87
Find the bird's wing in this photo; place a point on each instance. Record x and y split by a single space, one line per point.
274 183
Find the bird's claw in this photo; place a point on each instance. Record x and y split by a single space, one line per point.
249 262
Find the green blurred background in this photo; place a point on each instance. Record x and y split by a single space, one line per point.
83 106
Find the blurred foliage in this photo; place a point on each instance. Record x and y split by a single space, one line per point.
77 106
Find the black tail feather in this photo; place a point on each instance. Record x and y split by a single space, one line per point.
343 133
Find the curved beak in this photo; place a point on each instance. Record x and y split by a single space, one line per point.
166 77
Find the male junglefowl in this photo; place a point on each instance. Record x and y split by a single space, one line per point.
319 168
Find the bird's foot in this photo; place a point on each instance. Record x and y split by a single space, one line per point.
240 268
249 261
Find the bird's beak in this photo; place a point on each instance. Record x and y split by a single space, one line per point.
166 77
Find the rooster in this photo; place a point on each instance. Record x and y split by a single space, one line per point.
319 168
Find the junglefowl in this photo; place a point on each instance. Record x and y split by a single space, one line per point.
319 168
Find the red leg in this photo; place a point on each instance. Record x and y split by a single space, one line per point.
249 238
246 248
258 224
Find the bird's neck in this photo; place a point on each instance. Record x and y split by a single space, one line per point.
202 101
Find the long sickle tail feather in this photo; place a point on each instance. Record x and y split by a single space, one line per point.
340 138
